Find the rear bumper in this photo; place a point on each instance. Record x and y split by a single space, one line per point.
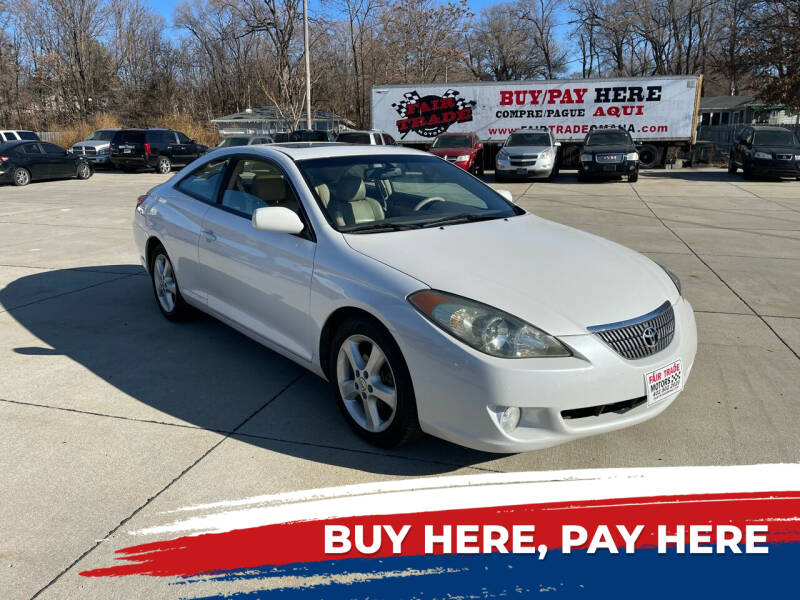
122 160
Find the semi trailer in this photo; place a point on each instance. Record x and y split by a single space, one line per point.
659 112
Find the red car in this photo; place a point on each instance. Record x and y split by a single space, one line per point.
461 149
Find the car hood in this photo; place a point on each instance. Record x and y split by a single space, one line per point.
557 278
92 144
517 150
452 151
619 148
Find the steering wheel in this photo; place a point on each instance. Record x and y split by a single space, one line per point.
429 200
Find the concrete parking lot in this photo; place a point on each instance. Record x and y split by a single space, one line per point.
110 415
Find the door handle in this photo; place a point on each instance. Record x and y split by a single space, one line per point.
209 235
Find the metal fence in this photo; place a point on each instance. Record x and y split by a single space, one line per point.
48 136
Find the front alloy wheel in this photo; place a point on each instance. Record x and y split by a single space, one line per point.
366 383
371 382
84 171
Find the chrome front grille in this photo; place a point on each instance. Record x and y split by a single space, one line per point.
783 156
523 160
609 158
642 336
77 150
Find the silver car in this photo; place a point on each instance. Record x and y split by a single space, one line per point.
528 153
97 148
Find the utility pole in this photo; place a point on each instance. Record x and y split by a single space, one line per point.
308 64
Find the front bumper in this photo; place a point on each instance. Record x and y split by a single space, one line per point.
595 169
775 168
537 170
459 389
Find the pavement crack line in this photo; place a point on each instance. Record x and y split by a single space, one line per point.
717 275
169 485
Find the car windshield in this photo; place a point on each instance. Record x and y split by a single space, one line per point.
775 138
375 194
452 141
233 141
102 135
608 137
353 138
528 139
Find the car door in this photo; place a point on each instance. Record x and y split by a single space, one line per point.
59 162
35 160
186 149
259 280
178 222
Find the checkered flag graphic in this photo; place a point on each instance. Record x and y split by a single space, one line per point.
460 101
402 106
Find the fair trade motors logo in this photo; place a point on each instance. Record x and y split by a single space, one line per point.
431 115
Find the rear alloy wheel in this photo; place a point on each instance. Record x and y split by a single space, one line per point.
165 287
21 176
372 385
84 171
164 165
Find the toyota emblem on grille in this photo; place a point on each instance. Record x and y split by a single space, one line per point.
650 337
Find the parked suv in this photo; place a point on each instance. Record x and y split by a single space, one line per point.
97 148
528 153
462 149
608 153
12 135
766 151
370 137
159 149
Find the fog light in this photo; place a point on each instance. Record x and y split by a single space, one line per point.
509 418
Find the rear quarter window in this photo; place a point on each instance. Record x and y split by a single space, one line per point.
28 135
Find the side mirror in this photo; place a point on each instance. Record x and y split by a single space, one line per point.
506 194
479 146
277 219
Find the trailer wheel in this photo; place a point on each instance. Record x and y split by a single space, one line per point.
649 156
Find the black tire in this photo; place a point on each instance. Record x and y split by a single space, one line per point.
747 172
732 168
21 176
499 177
649 156
180 310
404 425
553 174
633 177
84 171
582 178
163 165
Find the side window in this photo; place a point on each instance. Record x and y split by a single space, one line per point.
52 149
34 149
182 138
378 139
388 140
203 183
256 184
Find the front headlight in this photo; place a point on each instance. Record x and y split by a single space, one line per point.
503 154
487 329
762 155
586 157
462 158
672 276
797 156
632 156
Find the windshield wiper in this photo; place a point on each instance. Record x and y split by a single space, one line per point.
380 227
462 218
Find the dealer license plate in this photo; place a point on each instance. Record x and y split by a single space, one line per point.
609 167
522 171
663 382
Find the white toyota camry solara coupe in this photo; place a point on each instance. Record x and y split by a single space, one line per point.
428 300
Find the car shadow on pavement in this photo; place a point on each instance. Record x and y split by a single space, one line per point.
200 373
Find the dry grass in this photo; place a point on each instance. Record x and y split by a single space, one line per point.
202 132
80 130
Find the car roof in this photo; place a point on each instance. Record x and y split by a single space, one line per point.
360 131
449 133
14 143
769 128
308 150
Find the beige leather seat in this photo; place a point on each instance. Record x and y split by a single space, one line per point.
349 204
273 191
